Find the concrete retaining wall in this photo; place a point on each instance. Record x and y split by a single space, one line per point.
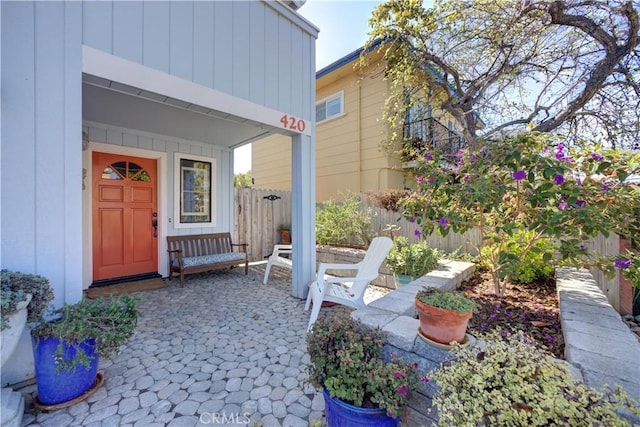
596 339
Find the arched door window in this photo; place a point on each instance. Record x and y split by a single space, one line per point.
125 170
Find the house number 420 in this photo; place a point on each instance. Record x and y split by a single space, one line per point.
290 122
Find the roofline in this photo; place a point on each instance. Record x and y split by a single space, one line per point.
348 58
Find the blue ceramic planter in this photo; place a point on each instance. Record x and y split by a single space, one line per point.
53 387
341 414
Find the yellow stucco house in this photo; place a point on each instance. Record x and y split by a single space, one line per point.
350 129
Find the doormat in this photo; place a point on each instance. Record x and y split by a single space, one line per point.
126 287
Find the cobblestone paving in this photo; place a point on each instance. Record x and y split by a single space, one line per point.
223 350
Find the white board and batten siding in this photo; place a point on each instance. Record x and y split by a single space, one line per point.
255 50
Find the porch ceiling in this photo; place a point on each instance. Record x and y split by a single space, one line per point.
117 104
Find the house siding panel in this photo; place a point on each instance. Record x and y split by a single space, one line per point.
203 62
155 37
127 40
271 63
223 77
181 40
253 62
258 56
18 137
241 49
49 160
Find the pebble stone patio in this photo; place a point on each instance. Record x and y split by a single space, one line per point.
223 350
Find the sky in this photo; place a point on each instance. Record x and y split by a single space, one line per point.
343 28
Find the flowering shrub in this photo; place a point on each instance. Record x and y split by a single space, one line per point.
629 266
510 383
345 358
530 182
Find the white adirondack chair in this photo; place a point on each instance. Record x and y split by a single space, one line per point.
278 260
347 291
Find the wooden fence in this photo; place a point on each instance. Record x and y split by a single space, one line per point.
259 213
258 216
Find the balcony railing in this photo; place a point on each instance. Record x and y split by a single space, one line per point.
429 135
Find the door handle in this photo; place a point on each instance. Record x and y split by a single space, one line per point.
154 223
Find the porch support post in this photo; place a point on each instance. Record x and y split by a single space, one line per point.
303 213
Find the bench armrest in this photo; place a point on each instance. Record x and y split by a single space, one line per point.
173 253
243 245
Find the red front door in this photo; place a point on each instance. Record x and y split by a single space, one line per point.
124 212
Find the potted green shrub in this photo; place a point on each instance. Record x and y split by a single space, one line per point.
67 349
25 297
408 261
443 315
359 388
510 383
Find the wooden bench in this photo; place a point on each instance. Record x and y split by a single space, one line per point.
197 253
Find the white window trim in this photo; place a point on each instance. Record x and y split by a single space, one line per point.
336 95
177 195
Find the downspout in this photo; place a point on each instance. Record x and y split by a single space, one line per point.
359 139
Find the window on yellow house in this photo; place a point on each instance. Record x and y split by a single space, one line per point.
330 107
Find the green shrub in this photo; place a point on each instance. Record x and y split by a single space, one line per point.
411 259
344 222
15 285
508 382
522 265
111 321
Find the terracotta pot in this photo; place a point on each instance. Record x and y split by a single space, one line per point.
441 325
285 237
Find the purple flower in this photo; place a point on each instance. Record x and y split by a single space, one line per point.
417 233
459 154
559 178
484 152
583 248
622 263
431 179
605 187
443 221
428 157
412 219
493 315
519 175
473 158
398 374
581 203
420 179
597 157
562 206
424 379
467 178
402 390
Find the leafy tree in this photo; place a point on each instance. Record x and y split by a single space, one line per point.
242 179
531 182
566 66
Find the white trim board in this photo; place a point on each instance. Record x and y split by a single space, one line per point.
114 68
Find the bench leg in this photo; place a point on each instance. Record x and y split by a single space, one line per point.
246 267
182 279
